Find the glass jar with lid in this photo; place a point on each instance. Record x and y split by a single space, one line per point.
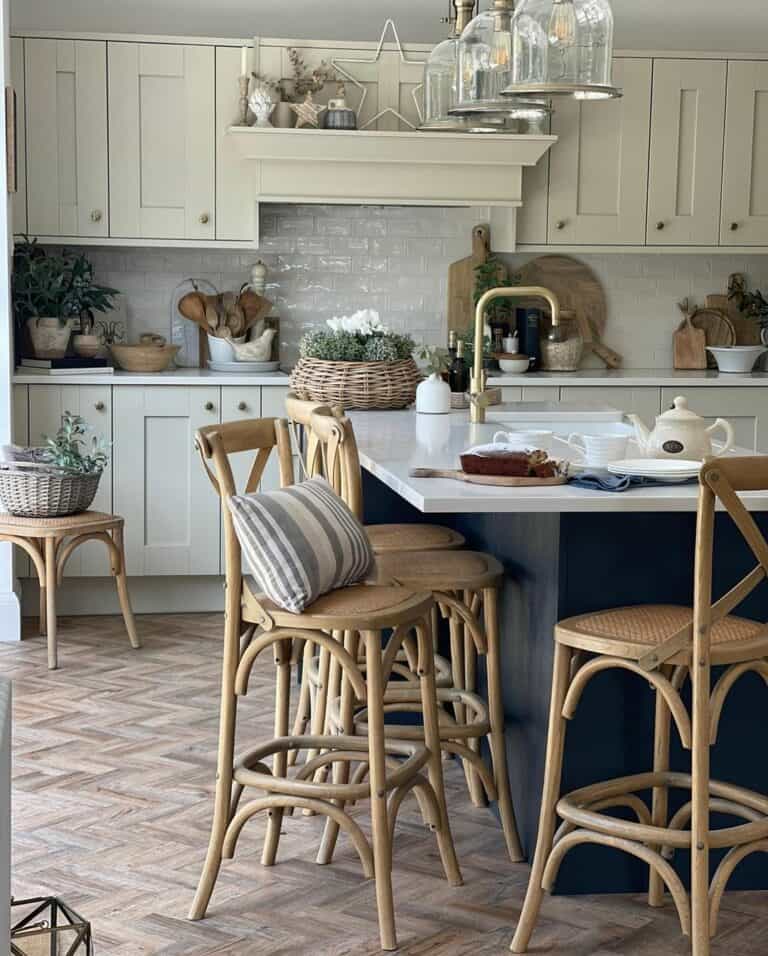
441 75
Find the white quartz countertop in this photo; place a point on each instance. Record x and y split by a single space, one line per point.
179 376
632 377
392 443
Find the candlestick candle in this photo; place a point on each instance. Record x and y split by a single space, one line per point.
244 61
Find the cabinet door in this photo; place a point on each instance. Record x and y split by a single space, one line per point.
171 511
687 128
47 403
745 408
599 167
643 401
66 110
19 201
273 406
744 220
161 141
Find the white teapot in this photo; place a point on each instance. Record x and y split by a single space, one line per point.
680 433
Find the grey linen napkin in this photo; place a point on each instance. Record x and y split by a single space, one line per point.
597 481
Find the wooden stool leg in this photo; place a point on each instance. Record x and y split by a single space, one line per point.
42 627
660 805
280 762
50 602
122 589
304 708
435 765
700 926
382 843
551 790
496 737
340 768
225 759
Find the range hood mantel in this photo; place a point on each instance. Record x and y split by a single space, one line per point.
375 167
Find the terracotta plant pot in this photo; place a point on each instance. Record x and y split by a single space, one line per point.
50 337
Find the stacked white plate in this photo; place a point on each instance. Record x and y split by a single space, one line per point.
243 366
663 469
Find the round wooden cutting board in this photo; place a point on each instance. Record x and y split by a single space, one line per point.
575 285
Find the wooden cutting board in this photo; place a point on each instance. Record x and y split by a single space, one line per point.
689 346
461 280
504 481
747 330
578 290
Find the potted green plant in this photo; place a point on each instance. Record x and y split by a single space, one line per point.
357 362
50 292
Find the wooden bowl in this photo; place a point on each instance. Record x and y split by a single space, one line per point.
144 358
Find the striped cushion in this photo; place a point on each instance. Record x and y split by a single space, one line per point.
301 542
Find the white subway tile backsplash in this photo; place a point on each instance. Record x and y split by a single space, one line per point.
332 260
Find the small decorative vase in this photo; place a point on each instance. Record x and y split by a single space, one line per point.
433 396
261 103
339 115
50 337
283 116
86 346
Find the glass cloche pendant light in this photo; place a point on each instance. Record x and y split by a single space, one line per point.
440 75
485 69
562 48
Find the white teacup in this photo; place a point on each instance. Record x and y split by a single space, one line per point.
599 450
526 440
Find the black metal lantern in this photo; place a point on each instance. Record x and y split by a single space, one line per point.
45 926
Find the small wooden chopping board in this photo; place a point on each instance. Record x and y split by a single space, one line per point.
461 280
504 481
689 346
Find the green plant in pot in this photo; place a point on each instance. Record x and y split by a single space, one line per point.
50 292
71 450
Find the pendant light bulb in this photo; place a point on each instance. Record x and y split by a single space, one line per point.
563 27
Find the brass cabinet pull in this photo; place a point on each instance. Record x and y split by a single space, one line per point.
734 226
99 406
96 215
560 224
659 225
209 406
242 407
204 219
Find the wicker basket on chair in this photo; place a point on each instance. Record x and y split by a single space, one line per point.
362 385
30 490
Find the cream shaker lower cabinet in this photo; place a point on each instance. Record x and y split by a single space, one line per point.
47 403
643 401
745 409
161 489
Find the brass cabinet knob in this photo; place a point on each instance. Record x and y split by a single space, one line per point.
560 224
209 406
659 225
734 226
99 406
242 407
96 215
204 219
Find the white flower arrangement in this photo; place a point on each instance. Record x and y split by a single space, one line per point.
361 337
364 322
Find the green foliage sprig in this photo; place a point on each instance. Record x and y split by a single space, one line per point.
435 359
55 286
490 275
301 81
340 346
71 449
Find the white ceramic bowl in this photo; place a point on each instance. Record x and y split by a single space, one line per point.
221 350
514 365
737 358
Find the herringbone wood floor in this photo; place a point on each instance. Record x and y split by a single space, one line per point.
114 768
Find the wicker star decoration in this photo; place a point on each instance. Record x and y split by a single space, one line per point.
308 112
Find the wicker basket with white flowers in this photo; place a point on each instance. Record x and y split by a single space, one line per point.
357 362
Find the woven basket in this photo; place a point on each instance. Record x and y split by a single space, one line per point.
28 491
364 385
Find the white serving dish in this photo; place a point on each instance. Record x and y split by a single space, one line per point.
737 358
669 469
514 366
243 366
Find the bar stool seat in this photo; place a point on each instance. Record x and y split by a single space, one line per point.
441 570
634 632
386 538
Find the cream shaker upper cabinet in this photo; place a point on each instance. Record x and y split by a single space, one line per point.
161 141
19 200
745 174
66 112
687 124
599 166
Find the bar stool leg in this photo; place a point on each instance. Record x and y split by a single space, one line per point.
496 718
382 843
280 762
50 602
700 931
553 769
122 589
304 708
660 806
42 628
435 765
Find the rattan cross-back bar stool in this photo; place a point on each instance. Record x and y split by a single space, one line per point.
49 542
361 614
665 645
465 585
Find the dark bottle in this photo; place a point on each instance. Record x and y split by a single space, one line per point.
451 347
458 374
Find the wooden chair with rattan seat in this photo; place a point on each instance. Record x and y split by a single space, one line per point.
465 585
49 542
664 645
361 614
384 538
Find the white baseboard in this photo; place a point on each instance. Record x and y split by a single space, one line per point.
161 595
